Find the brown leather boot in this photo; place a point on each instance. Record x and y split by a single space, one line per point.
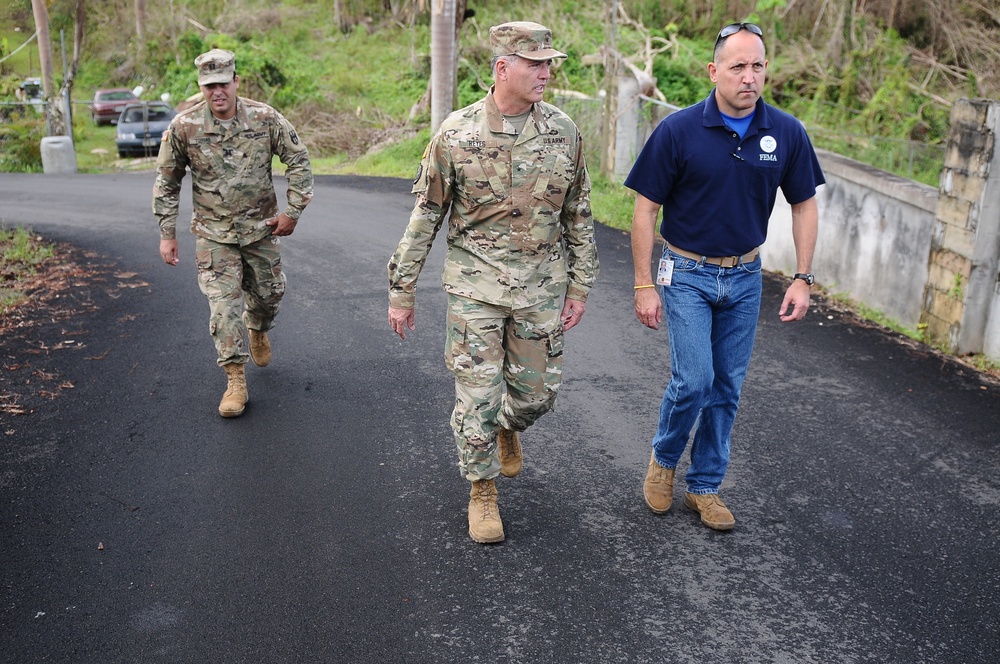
714 512
260 347
235 398
485 525
511 457
658 489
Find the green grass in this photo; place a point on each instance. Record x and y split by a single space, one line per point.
25 63
20 252
397 160
611 203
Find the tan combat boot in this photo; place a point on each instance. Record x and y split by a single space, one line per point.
511 457
714 512
235 398
485 525
260 347
658 489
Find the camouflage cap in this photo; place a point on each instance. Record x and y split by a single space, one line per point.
525 39
216 66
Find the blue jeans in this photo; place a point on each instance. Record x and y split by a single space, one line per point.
711 315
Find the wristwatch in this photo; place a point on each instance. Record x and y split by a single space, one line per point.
808 278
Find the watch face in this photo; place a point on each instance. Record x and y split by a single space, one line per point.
808 278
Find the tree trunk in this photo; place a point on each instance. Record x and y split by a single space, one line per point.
79 24
140 26
53 109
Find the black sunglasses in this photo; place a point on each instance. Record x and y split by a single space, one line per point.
733 28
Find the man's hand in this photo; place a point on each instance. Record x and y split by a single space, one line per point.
572 312
282 224
400 319
168 252
797 297
649 307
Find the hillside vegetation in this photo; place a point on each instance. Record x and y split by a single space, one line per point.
862 74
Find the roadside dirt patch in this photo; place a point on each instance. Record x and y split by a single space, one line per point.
47 322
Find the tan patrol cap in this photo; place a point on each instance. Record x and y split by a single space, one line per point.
216 66
525 39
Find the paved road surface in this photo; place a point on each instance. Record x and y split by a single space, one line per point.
328 523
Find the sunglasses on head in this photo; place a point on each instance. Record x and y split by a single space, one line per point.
733 28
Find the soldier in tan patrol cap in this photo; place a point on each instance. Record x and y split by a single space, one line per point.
227 143
509 175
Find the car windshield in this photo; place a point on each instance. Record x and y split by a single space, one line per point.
117 96
133 115
158 113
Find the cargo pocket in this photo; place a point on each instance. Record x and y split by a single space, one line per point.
203 259
457 355
553 362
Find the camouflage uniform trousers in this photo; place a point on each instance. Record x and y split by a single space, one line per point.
490 348
244 285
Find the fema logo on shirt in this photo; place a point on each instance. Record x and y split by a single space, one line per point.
768 145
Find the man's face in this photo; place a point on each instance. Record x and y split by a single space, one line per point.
221 98
738 74
524 81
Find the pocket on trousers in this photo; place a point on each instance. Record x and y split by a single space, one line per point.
203 259
555 343
553 361
457 355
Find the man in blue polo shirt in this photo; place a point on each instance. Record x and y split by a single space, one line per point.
715 169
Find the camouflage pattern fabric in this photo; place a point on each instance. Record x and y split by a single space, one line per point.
490 348
520 229
520 239
243 284
231 175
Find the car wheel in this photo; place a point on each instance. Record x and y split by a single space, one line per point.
122 154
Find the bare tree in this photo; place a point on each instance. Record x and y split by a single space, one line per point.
140 24
53 110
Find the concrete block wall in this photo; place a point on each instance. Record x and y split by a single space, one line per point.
960 306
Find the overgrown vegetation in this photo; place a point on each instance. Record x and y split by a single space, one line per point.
21 252
872 79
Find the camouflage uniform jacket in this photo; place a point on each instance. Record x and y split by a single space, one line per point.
230 172
520 230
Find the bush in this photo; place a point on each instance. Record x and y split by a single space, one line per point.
21 143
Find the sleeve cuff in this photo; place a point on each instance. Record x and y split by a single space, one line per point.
577 292
401 300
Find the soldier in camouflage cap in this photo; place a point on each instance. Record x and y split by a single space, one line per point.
227 142
509 175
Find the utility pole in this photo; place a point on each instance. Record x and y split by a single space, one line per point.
609 126
443 48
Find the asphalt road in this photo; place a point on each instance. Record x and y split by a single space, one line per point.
328 523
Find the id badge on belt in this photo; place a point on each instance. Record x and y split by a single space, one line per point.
665 272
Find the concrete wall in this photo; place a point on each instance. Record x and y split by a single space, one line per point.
875 236
927 258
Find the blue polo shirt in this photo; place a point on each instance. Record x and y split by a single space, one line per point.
717 189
